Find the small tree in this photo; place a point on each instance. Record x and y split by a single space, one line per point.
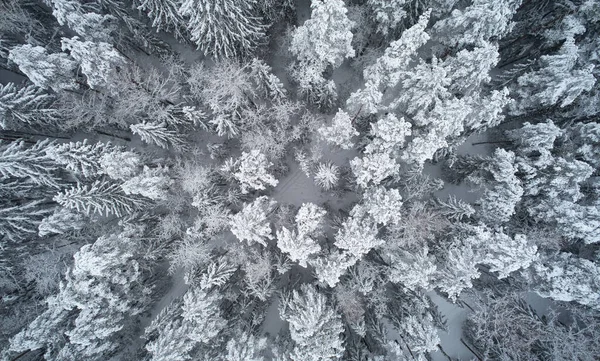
327 175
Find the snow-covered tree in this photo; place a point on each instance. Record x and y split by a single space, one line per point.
201 310
251 223
478 23
56 71
358 234
60 222
559 80
468 70
505 254
565 277
340 132
458 271
330 267
244 346
384 205
300 244
164 14
325 38
18 222
157 133
389 133
299 247
327 175
25 106
413 269
388 69
315 327
373 168
80 157
105 286
388 14
251 170
32 163
172 343
505 191
100 197
309 219
223 28
120 165
151 183
98 60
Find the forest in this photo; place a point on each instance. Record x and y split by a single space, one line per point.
299 180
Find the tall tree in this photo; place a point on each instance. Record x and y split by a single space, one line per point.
315 327
223 28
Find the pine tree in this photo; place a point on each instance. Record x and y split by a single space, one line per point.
299 247
244 346
97 60
340 132
172 343
567 278
389 133
157 133
505 254
79 157
151 183
165 15
324 39
251 223
309 219
252 171
223 28
120 165
558 81
458 271
373 168
478 23
105 285
26 106
60 222
201 310
358 234
468 70
384 205
56 71
100 197
32 163
388 14
327 175
19 222
314 326
414 269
